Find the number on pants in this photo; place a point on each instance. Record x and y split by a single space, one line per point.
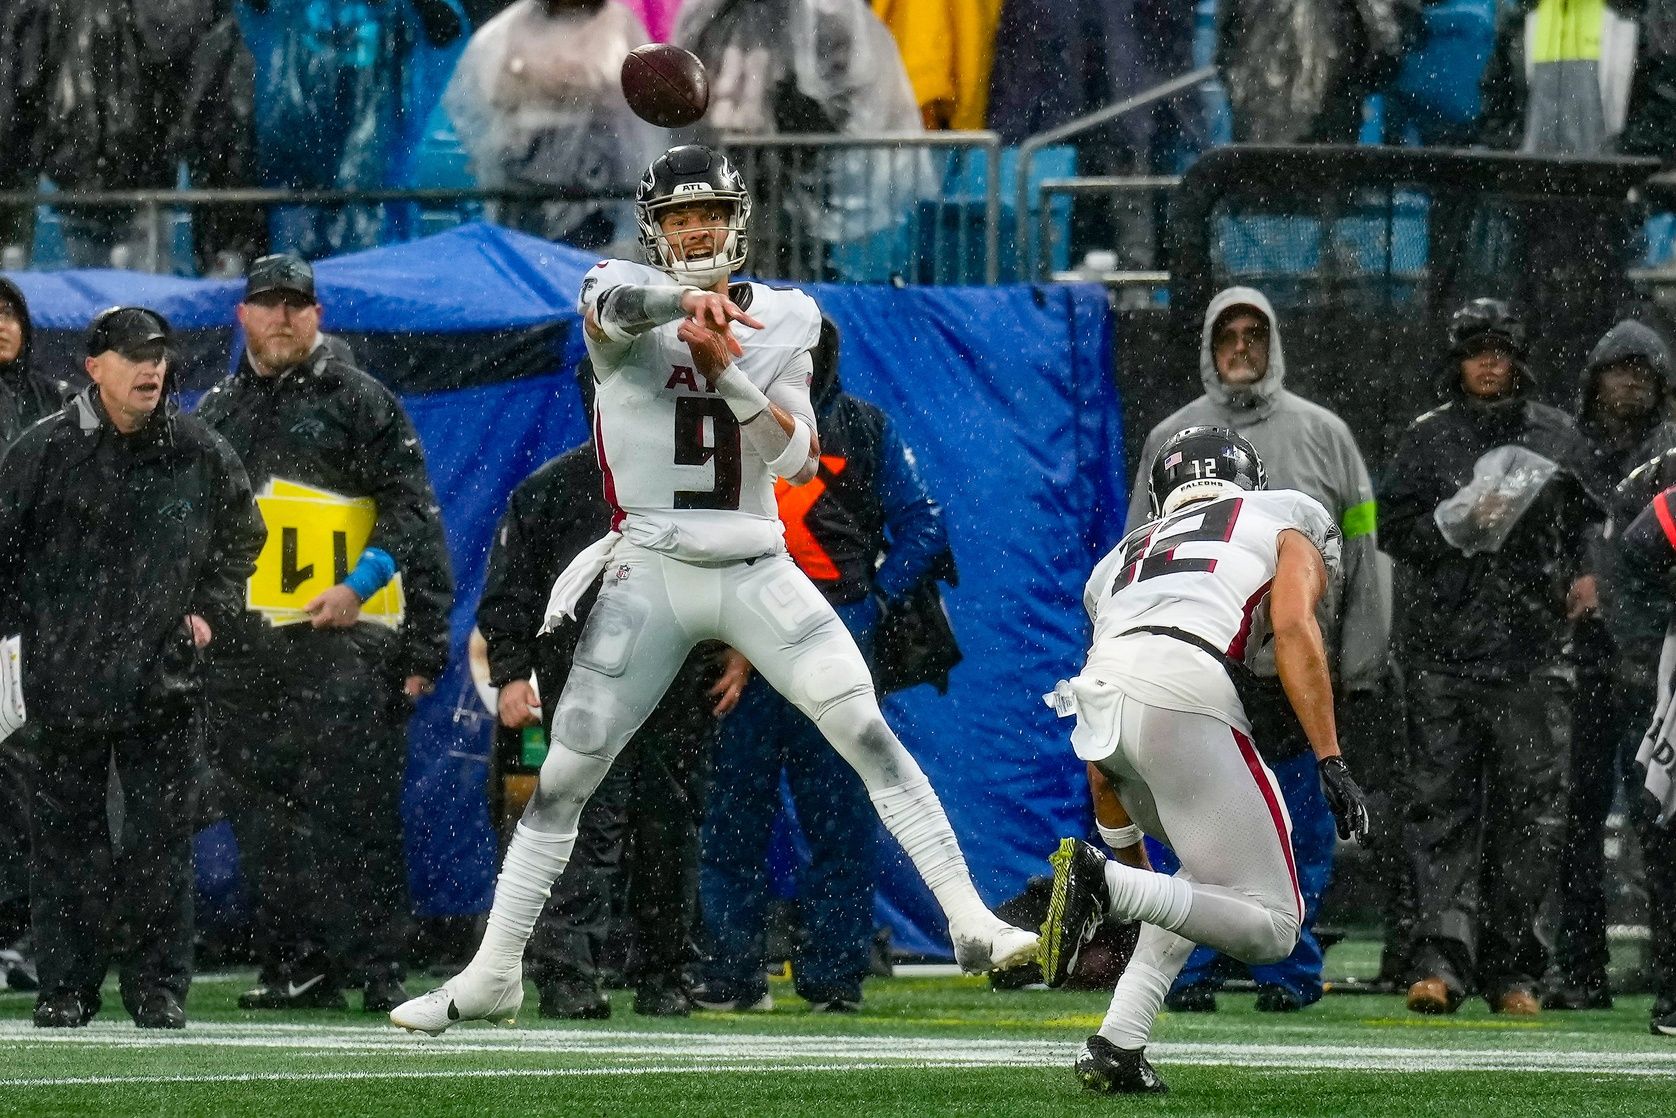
1217 526
722 449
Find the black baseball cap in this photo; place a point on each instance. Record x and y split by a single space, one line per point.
282 271
130 331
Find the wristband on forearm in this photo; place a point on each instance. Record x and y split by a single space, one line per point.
371 574
631 310
745 400
793 456
1117 838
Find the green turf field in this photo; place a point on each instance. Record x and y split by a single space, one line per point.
922 1046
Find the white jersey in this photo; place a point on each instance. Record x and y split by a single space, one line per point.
676 475
1205 570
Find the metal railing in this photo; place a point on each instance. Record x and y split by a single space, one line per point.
154 208
1028 151
1141 274
907 208
902 207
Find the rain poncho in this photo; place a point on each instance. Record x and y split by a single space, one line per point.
105 127
537 101
1559 80
1296 72
1055 62
948 48
343 88
1650 128
23 78
114 94
813 66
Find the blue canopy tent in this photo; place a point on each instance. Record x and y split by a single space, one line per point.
1006 394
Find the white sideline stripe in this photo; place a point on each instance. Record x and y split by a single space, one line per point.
645 1053
345 1076
543 1038
1429 1065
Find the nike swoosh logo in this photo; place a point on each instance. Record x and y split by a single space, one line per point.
294 989
453 1011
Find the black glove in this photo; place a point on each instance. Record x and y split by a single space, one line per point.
1344 799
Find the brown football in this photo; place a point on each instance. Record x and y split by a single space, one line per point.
665 85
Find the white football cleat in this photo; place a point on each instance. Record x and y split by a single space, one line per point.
465 997
999 946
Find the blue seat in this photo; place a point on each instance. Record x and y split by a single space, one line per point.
950 230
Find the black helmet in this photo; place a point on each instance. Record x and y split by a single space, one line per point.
692 173
1204 454
1486 318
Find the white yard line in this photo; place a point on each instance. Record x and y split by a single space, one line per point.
626 1052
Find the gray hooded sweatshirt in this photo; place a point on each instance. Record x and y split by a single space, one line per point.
1308 448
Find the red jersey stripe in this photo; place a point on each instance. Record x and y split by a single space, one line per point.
1236 650
617 513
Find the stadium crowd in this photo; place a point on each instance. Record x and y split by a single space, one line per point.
1492 536
327 94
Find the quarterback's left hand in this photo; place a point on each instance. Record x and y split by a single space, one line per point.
1344 799
713 351
416 687
736 672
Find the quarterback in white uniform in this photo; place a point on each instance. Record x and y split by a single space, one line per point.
1223 568
702 399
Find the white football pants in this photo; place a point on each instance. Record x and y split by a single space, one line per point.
651 611
1196 784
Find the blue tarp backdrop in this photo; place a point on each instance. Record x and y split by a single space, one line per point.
1006 394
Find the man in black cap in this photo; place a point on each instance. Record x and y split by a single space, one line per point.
126 534
346 626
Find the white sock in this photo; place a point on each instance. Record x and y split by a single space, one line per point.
912 813
534 860
1135 1005
1152 898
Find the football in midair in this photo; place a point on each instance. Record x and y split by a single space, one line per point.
665 85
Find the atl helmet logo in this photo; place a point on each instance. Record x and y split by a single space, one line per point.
693 188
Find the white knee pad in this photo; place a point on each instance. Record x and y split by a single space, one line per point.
589 730
567 779
1282 937
1286 929
591 719
822 681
